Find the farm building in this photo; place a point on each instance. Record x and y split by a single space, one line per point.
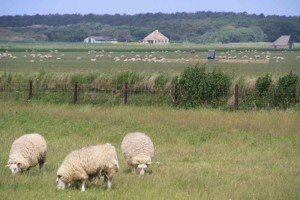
156 37
100 39
283 42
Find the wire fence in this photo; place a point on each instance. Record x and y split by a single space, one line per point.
77 93
83 94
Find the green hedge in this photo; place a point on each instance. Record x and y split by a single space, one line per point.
196 87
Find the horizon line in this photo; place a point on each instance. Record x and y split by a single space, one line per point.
124 14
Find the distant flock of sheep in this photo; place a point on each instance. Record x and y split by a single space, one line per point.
252 55
83 164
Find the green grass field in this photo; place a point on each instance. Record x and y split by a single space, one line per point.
199 154
172 58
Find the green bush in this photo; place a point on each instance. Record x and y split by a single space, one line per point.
263 85
197 87
283 94
286 93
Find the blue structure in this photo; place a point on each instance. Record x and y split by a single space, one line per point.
211 54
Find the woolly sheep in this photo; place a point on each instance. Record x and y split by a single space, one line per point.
138 150
26 152
87 163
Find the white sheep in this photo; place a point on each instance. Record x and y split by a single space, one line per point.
138 150
86 163
26 152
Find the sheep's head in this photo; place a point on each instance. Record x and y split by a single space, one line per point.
141 164
14 167
141 169
61 185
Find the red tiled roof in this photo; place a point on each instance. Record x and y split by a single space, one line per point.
155 35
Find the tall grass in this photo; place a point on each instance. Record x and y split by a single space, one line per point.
199 154
97 81
144 89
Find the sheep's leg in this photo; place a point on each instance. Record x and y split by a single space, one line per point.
41 163
133 170
107 182
82 186
93 178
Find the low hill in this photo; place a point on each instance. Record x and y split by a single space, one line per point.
199 27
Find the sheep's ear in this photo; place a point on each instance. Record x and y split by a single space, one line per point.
7 165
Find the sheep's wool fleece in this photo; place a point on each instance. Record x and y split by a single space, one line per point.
137 147
28 150
89 161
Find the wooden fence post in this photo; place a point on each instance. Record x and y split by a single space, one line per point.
236 97
126 93
30 90
75 93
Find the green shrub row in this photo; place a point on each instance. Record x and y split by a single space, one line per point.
195 87
284 94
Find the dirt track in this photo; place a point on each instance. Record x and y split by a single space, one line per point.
217 60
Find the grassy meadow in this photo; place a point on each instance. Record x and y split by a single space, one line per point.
146 59
199 154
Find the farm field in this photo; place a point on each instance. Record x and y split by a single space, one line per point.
199 154
55 67
235 59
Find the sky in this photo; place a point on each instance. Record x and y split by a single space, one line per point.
130 7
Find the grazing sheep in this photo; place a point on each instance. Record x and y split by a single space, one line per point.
86 163
138 150
116 59
256 56
26 152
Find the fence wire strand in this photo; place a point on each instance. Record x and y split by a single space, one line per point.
114 95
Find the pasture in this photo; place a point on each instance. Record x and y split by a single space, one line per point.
199 154
238 60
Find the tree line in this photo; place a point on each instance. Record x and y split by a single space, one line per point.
198 27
